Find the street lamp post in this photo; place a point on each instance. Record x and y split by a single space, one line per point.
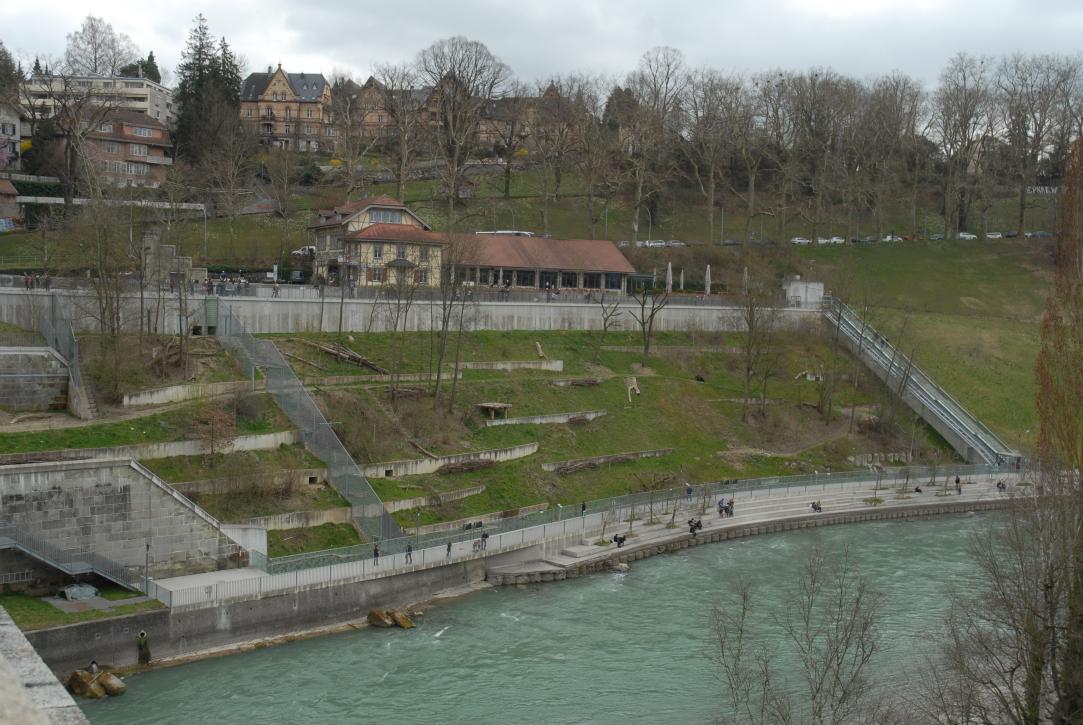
146 571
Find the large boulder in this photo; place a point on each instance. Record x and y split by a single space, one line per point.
378 618
83 684
112 684
400 619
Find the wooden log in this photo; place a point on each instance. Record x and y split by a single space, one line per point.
306 362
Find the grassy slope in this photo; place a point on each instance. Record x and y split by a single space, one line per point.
33 613
172 425
296 541
194 468
700 420
971 311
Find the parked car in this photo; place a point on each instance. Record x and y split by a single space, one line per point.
836 240
1011 235
936 237
799 240
731 243
303 251
654 243
994 235
1039 235
892 238
966 235
674 243
641 243
622 243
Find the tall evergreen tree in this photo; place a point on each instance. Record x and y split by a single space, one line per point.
207 94
9 74
143 68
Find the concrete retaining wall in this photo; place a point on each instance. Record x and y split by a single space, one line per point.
252 538
33 378
263 482
259 442
486 518
175 633
611 458
299 519
580 417
29 693
112 509
434 500
177 393
555 365
422 466
632 552
262 315
374 378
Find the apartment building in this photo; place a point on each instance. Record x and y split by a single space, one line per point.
131 149
140 95
10 136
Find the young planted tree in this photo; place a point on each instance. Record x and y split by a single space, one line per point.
610 313
648 303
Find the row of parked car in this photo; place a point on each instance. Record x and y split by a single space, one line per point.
801 241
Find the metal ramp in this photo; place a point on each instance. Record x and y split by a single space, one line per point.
69 561
971 438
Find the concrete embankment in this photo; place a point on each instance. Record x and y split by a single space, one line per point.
560 549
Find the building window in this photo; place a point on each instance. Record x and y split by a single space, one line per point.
592 280
274 96
569 279
612 280
8 129
137 169
132 84
139 149
421 276
328 131
377 274
288 130
524 278
423 255
112 147
144 132
289 113
106 128
377 251
400 251
385 216
248 112
310 113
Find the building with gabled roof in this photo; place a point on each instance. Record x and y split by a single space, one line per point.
333 226
377 247
288 110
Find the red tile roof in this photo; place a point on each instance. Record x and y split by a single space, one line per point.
510 252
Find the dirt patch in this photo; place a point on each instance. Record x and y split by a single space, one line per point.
599 371
645 372
973 303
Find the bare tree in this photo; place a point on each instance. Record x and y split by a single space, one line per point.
553 135
705 143
610 313
353 141
756 301
595 146
98 50
509 119
650 303
402 103
830 626
230 172
398 296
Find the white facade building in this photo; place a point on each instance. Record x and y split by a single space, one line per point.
132 94
10 137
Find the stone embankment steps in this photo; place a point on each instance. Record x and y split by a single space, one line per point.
754 515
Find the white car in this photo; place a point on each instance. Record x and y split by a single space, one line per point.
822 240
892 238
800 240
836 240
966 235
304 251
994 235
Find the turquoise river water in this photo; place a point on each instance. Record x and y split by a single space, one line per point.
607 648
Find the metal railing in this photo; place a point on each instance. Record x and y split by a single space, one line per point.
892 366
59 335
661 500
339 566
70 561
316 432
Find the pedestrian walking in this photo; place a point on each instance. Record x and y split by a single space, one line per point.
274 289
688 492
449 550
409 553
485 540
48 282
376 554
583 510
37 280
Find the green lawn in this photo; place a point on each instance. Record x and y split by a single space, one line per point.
971 312
701 420
31 613
172 425
237 506
195 468
316 538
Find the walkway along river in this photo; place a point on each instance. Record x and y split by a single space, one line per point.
608 648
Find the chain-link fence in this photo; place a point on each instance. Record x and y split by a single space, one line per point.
316 432
657 504
58 334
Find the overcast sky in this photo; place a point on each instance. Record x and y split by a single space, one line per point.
538 39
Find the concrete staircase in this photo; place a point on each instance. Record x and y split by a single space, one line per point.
71 562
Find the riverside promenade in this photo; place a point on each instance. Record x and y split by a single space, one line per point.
568 545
